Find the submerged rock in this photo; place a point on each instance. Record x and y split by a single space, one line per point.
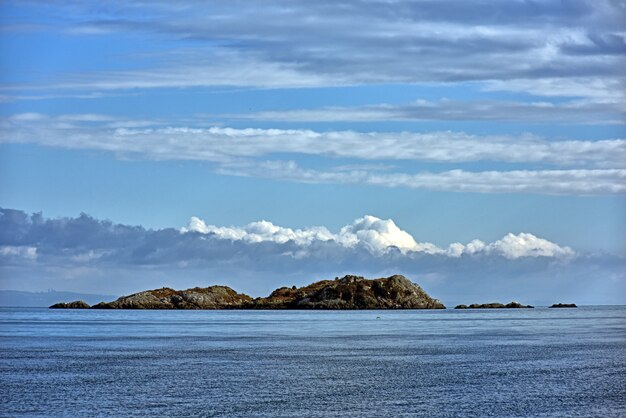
351 292
213 297
564 305
493 305
77 304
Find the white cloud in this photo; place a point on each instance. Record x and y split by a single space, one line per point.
528 245
594 167
219 144
261 231
597 111
512 246
555 182
379 237
601 89
26 252
298 43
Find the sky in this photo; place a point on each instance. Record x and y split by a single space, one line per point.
479 148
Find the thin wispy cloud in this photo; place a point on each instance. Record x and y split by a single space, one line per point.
582 111
554 182
299 44
565 166
154 139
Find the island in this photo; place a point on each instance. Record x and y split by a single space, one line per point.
493 305
78 304
564 305
349 292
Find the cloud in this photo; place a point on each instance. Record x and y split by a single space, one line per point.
217 144
305 44
554 182
581 111
378 236
582 167
262 231
96 255
599 89
513 246
10 251
374 234
84 240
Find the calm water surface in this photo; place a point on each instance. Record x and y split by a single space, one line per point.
518 363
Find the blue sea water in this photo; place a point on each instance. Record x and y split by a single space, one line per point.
483 363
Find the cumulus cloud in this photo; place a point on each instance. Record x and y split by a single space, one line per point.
262 231
513 246
379 237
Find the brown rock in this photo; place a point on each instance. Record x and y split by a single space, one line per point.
351 292
213 297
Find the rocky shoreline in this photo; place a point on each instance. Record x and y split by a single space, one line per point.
349 292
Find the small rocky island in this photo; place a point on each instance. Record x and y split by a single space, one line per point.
349 292
493 305
564 305
79 304
212 297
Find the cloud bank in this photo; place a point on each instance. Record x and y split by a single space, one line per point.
90 255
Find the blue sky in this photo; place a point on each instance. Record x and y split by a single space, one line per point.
449 122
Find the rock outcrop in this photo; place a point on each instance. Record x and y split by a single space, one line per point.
564 305
213 297
351 292
493 305
78 304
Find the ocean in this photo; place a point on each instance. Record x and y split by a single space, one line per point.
442 363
